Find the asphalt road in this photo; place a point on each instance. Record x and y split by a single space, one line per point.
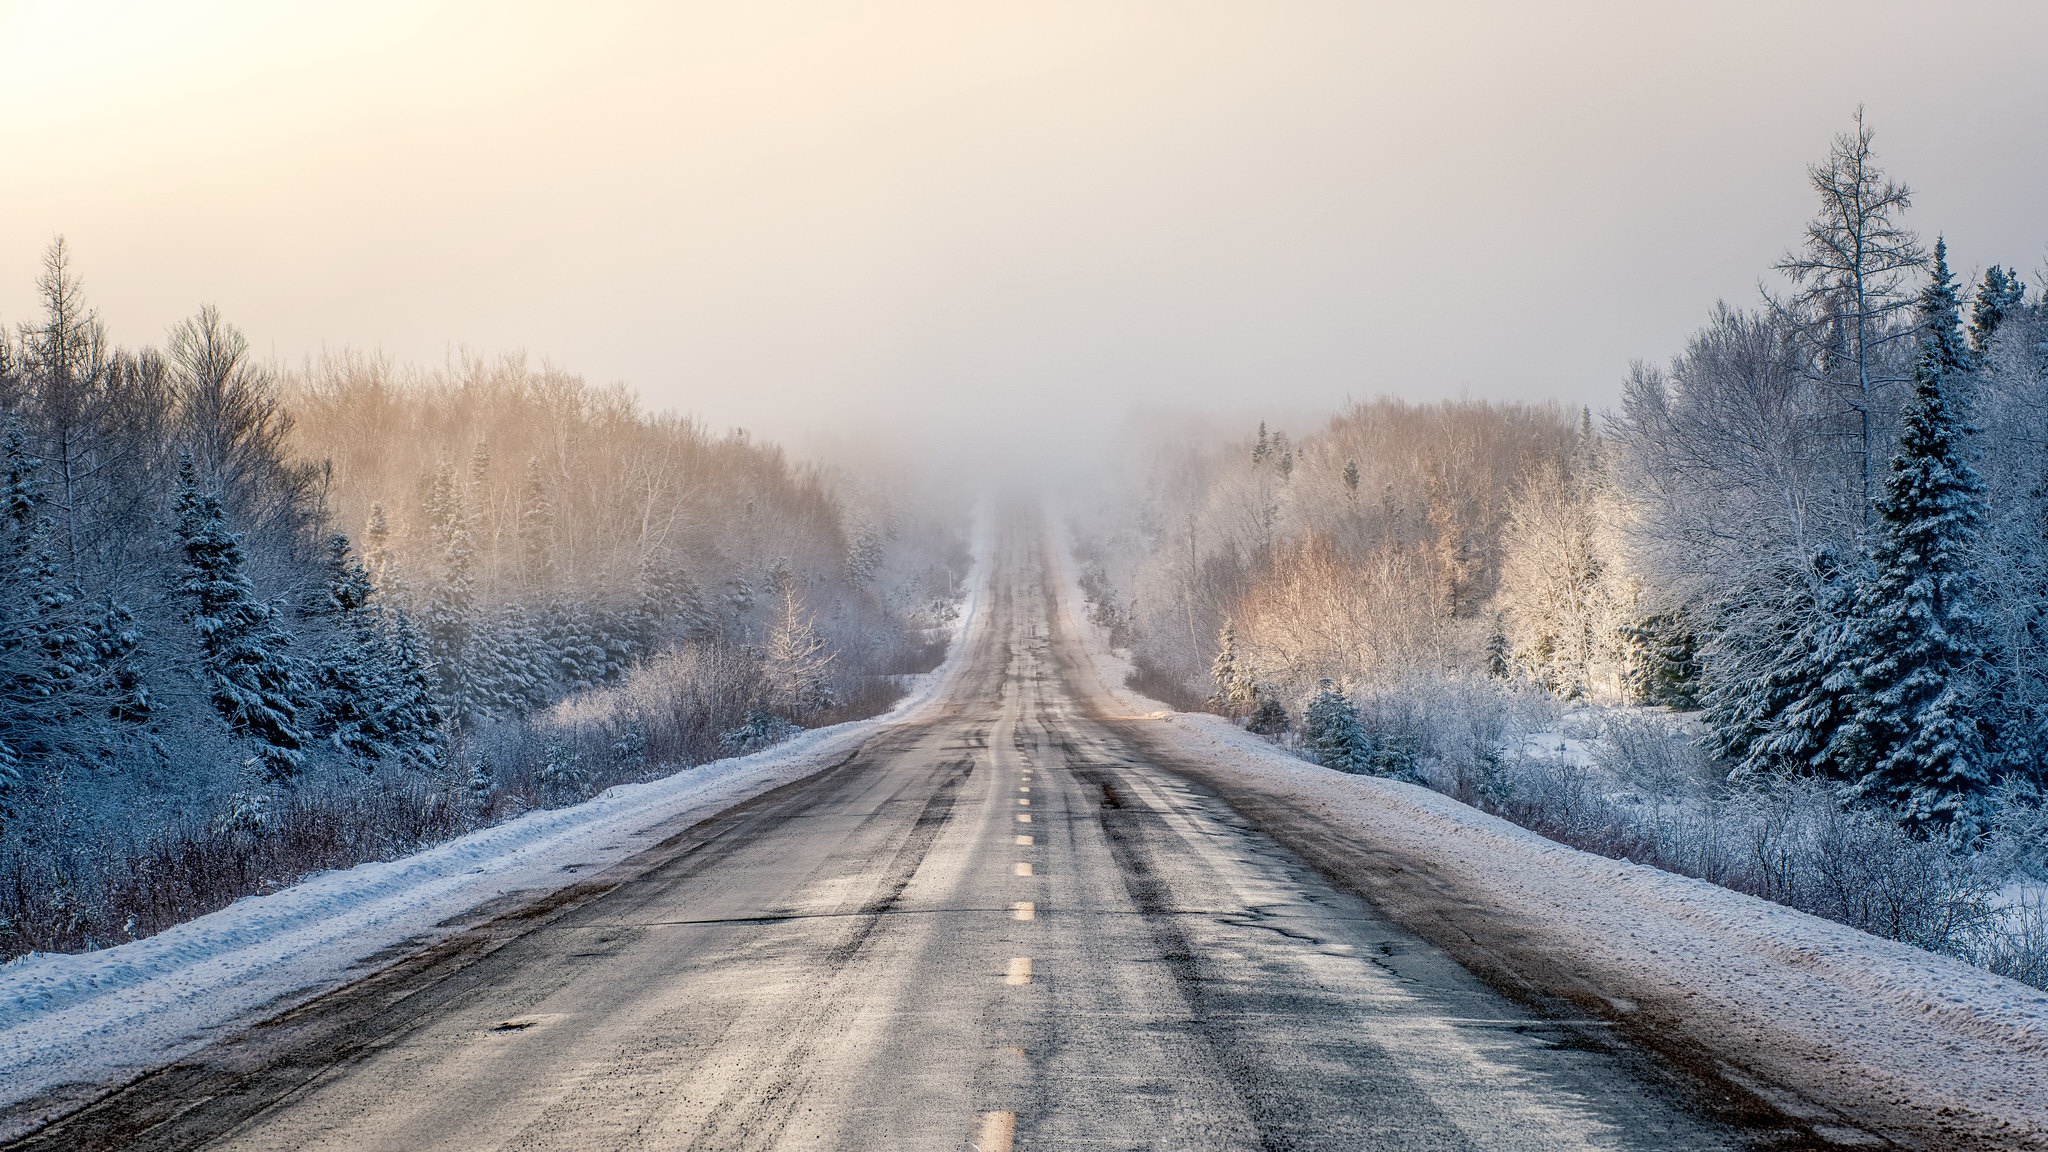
998 927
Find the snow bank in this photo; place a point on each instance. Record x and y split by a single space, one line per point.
1874 1030
102 1017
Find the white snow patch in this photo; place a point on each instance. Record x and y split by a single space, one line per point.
102 1017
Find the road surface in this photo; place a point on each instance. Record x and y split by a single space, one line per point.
1000 927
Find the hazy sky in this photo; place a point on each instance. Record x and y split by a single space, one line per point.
799 216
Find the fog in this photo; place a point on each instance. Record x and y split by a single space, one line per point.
834 222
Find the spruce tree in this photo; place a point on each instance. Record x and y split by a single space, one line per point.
1915 741
536 526
797 661
411 711
253 683
368 704
1269 718
2000 295
68 686
1236 682
1331 732
1784 715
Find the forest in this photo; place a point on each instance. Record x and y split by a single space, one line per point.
1779 620
258 623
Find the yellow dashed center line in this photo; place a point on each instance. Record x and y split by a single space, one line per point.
1020 971
1023 910
1023 839
1024 818
1024 803
1023 867
998 1132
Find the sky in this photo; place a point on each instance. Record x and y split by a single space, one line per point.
996 224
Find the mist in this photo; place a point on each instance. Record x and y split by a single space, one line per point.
915 221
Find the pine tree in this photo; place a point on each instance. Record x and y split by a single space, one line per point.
483 781
863 556
526 678
367 704
378 562
536 526
1783 714
1269 718
798 661
1331 732
1915 741
1236 682
253 684
411 712
575 645
2000 295
458 648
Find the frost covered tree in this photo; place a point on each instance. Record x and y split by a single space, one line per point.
1331 732
65 679
463 652
1852 275
1915 741
64 363
1237 686
251 680
1786 684
797 660
369 689
1999 295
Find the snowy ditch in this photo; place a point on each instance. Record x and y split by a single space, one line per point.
100 1018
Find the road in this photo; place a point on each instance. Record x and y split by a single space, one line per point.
1002 926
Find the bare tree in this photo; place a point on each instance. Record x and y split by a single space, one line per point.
65 362
1851 274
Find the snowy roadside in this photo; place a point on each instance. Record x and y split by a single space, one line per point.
104 1017
1872 1030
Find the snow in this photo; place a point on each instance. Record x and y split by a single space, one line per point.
1845 1018
102 1017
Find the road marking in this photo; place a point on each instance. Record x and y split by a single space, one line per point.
1024 818
998 1131
1023 867
1024 840
1025 788
1023 910
1020 971
1024 803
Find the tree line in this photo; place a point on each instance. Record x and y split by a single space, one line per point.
257 622
1821 529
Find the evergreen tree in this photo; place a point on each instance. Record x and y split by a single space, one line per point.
797 661
863 556
2000 295
1782 715
1268 718
525 677
575 644
365 704
411 711
459 648
253 684
1915 741
1331 732
378 563
1236 682
536 526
